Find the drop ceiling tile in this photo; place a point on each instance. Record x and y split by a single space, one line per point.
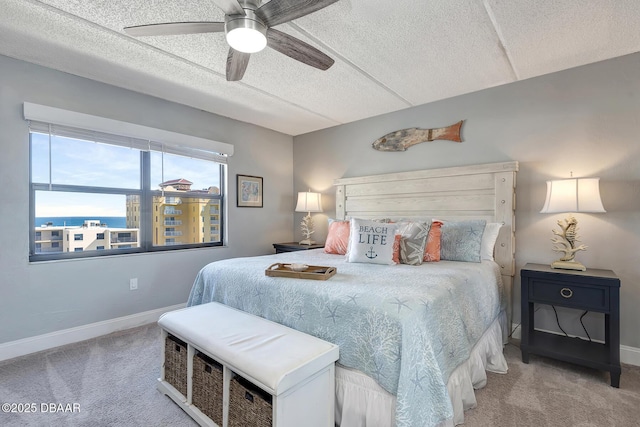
421 50
340 93
116 14
545 36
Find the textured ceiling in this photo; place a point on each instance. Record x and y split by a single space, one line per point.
389 55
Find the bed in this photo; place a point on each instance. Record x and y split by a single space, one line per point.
414 340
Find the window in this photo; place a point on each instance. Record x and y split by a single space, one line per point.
96 186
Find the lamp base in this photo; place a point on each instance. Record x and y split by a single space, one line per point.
307 242
568 265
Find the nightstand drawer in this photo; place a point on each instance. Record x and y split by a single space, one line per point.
594 298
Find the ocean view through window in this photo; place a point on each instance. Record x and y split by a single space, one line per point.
75 221
95 194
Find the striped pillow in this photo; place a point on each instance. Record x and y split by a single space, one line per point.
413 242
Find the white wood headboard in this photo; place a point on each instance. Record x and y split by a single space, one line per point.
484 191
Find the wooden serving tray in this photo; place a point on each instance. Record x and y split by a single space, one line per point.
312 272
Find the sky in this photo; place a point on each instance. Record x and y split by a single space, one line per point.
76 162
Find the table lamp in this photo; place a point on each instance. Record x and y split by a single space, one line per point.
308 202
568 196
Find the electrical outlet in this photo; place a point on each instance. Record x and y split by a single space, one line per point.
133 284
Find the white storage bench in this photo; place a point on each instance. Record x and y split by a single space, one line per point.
229 368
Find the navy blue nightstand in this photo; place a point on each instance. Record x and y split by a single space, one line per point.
295 246
592 290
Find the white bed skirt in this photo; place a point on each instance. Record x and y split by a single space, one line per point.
361 402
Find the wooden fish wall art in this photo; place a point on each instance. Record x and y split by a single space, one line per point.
400 140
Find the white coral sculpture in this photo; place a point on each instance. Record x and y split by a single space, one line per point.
565 241
307 226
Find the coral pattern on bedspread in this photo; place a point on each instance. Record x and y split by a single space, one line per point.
408 327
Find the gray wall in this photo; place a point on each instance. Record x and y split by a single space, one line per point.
585 120
37 298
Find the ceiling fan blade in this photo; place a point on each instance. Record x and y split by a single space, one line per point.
297 49
174 28
236 64
230 7
280 11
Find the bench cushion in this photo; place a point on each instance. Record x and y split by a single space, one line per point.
274 355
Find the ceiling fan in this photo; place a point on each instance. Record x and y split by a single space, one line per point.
248 28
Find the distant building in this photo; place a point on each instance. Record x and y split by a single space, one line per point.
180 219
91 236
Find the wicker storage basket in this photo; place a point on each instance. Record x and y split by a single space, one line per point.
175 363
249 406
207 387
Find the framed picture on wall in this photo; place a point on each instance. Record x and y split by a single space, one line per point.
249 190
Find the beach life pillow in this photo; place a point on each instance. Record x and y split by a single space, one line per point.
413 242
337 238
432 248
371 242
462 240
491 231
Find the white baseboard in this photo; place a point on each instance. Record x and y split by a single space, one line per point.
30 345
628 355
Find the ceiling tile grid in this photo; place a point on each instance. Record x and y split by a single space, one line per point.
389 54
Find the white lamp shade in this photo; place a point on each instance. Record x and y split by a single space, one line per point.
573 195
309 202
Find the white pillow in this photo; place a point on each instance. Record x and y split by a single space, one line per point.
489 237
371 242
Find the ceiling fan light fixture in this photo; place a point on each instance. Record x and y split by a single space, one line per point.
245 33
246 40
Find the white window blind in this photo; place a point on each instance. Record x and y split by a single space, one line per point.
70 124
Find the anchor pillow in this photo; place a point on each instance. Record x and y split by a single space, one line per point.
371 242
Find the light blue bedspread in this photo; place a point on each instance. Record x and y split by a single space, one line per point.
408 327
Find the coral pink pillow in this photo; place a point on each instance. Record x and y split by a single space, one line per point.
396 248
338 238
432 250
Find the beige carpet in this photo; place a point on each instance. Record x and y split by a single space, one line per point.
547 392
113 379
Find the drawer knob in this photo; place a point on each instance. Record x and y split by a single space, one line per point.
566 292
